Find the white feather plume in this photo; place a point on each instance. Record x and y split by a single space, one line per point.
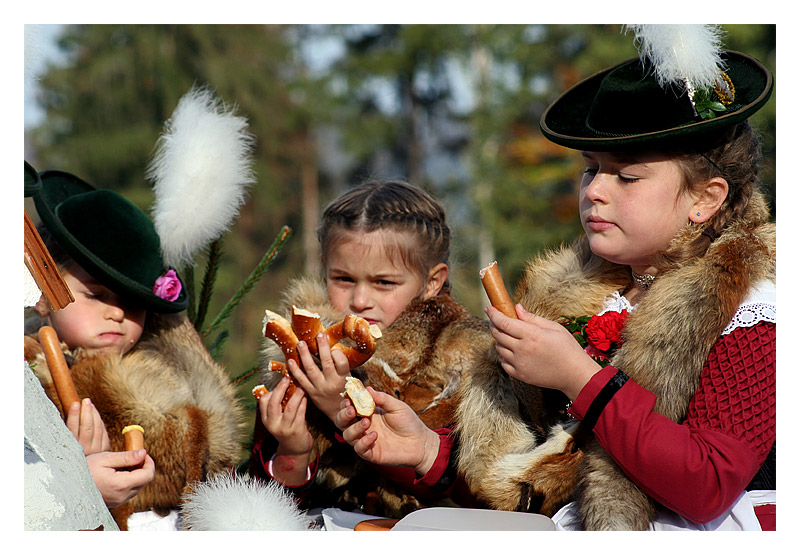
681 53
235 503
201 170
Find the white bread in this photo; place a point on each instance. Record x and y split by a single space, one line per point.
361 398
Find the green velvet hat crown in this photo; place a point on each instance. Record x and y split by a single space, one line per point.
623 107
108 236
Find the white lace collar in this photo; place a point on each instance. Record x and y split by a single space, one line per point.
759 306
616 302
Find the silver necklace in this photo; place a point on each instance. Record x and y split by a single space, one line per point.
643 281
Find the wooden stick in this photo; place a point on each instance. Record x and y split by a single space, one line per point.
496 290
65 388
43 269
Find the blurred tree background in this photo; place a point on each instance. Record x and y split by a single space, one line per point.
451 108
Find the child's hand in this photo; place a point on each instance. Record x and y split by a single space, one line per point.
324 386
120 475
85 423
394 435
540 352
288 426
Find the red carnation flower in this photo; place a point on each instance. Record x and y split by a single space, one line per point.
605 331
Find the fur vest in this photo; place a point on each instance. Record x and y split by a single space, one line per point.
667 339
420 359
169 385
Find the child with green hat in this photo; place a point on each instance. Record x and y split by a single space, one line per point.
134 356
670 294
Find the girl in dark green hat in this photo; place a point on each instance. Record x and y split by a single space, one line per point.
672 380
131 349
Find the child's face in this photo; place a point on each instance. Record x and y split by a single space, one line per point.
630 207
98 319
361 279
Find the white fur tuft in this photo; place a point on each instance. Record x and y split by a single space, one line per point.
34 51
681 53
234 503
200 171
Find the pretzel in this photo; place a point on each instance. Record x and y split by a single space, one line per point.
62 380
274 366
363 335
133 436
305 326
259 391
279 329
496 290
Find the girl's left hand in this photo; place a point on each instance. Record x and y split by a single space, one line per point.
323 386
540 352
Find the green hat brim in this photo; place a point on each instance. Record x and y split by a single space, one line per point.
566 121
33 183
102 244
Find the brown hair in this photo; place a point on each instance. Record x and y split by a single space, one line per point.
396 206
736 157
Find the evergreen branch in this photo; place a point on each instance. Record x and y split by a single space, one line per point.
215 350
251 281
208 283
249 372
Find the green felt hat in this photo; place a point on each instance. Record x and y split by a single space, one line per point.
32 181
624 108
109 237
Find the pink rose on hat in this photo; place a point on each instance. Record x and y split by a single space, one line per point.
168 286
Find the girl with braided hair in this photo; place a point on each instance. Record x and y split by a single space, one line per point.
385 249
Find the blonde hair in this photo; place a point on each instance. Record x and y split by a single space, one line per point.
392 206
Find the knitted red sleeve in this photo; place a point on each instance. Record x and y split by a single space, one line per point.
697 468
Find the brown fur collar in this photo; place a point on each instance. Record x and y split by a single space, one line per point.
420 359
169 385
666 342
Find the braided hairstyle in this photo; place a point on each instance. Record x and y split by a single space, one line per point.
423 238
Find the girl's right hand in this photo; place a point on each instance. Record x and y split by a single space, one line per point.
84 421
394 435
287 425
